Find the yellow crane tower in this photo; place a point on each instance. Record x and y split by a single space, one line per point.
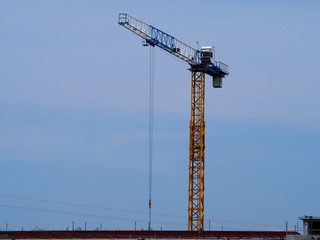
201 62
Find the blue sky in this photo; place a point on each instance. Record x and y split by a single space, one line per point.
74 113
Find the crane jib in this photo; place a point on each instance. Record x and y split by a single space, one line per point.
155 37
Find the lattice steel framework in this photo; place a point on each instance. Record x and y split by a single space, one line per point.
196 151
167 42
218 70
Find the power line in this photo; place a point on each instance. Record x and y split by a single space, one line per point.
82 214
64 212
71 204
218 221
87 206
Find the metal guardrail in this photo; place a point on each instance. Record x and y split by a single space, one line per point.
223 67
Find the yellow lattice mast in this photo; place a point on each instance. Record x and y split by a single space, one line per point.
201 62
196 151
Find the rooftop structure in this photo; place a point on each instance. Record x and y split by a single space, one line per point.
311 225
91 235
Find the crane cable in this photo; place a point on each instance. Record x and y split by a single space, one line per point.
151 109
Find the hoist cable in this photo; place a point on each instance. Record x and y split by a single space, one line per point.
151 109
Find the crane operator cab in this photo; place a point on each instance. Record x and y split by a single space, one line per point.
207 58
207 55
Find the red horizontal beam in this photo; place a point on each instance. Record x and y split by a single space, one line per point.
143 234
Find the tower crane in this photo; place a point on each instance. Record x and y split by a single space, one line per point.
201 63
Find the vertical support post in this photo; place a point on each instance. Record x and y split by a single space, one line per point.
209 225
135 225
7 224
196 152
72 225
85 226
